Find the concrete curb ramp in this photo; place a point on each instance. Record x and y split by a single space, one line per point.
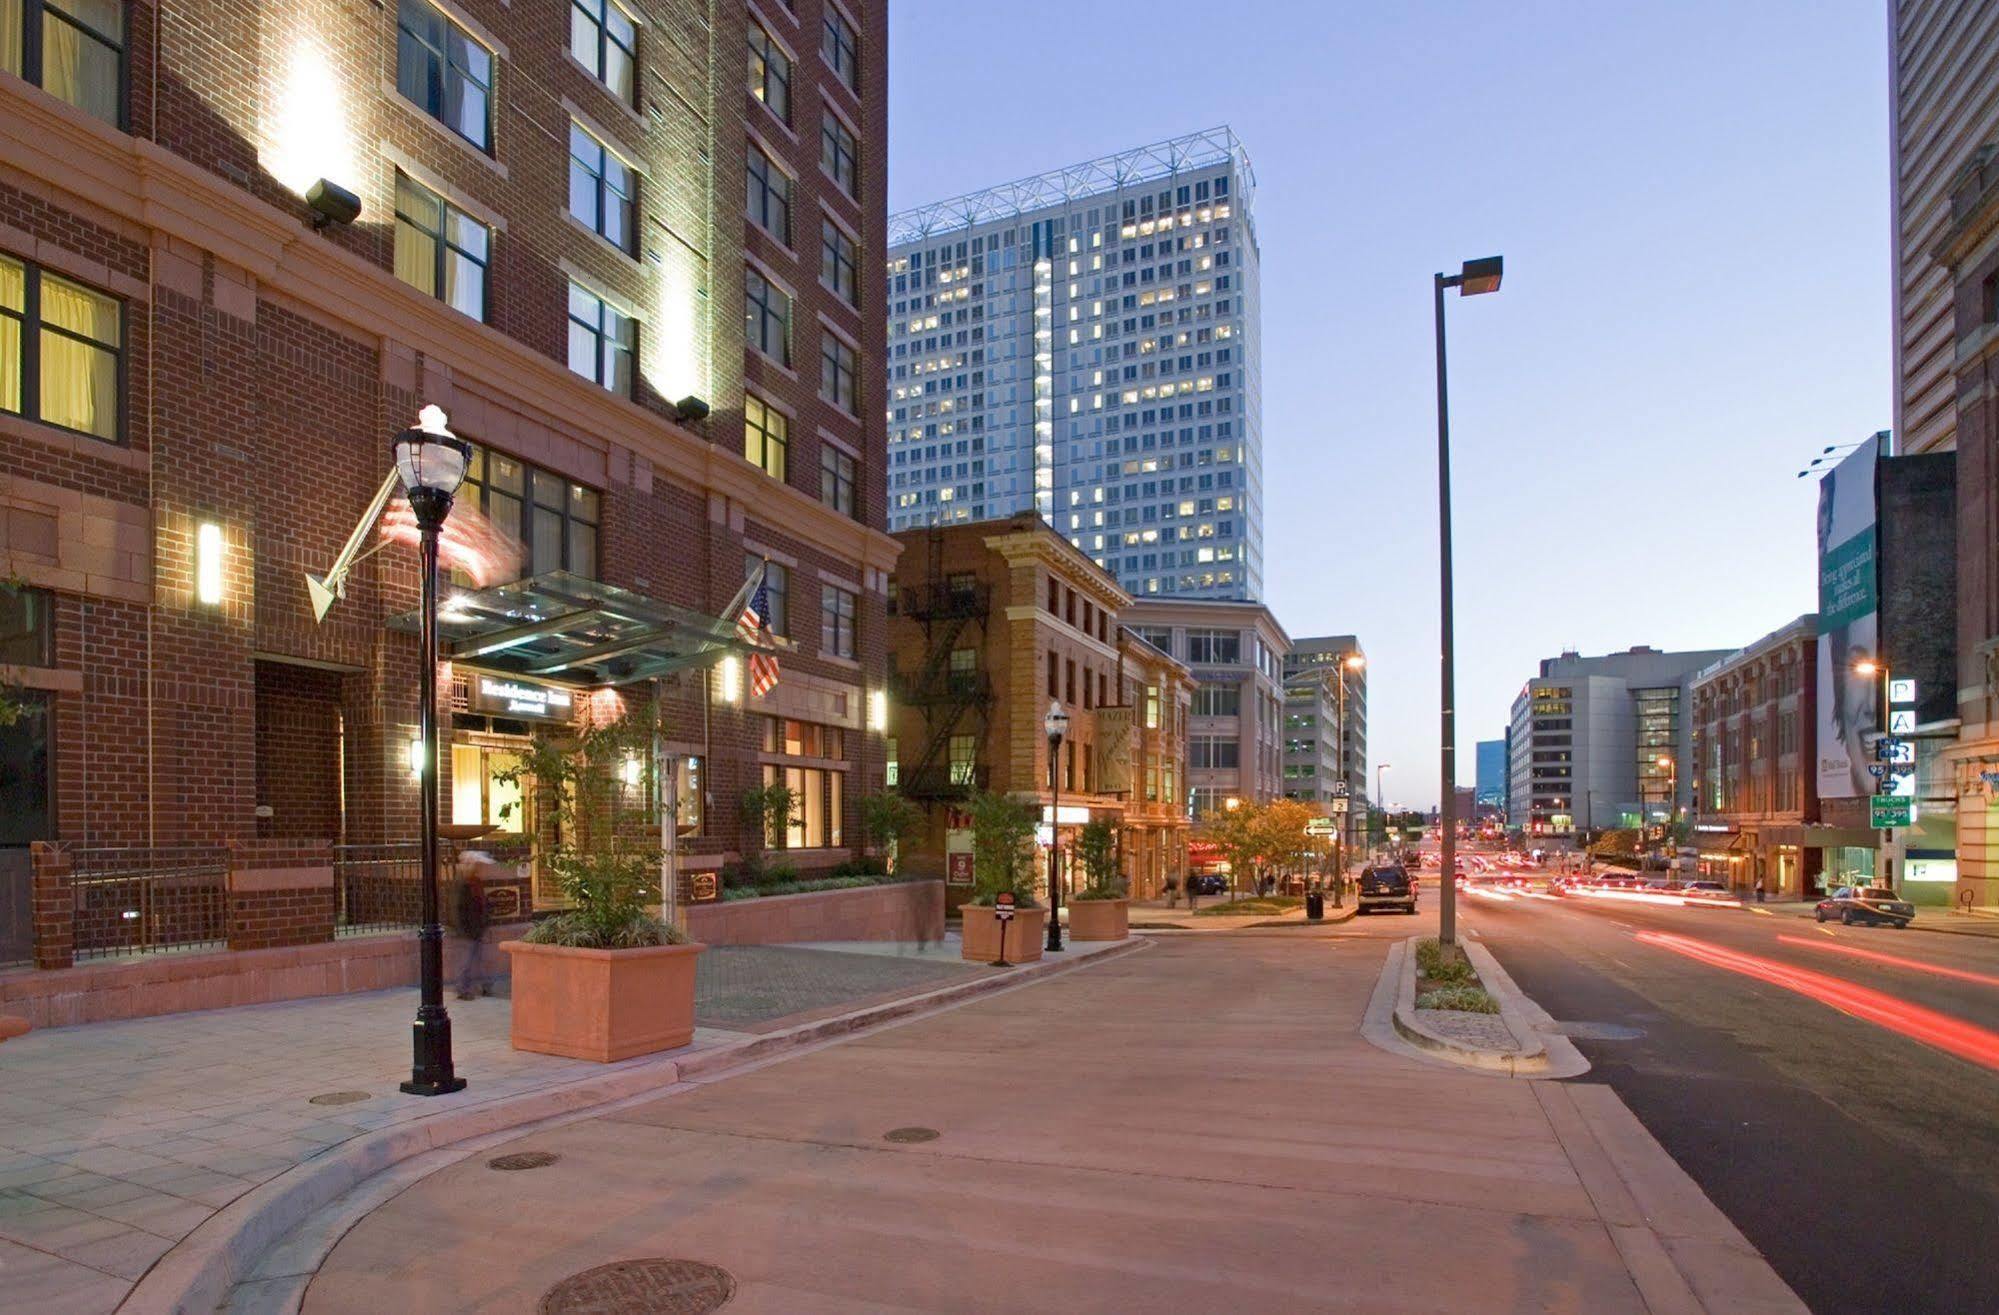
196 1276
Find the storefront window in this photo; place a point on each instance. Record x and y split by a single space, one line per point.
477 799
815 820
802 739
24 772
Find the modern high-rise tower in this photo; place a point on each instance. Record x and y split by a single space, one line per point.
1084 344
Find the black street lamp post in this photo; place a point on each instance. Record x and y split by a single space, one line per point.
431 460
1476 276
1056 723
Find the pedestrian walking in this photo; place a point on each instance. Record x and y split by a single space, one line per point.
1193 891
474 976
1172 892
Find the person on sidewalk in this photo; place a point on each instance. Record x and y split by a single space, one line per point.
1172 892
474 976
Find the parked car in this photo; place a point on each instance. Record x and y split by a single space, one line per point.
1209 883
1851 904
1387 886
1704 888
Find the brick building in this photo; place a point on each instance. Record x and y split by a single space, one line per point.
993 621
628 273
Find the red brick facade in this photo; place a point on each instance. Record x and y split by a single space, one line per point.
264 365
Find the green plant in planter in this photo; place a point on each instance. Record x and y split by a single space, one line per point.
769 811
610 891
1096 852
1002 849
888 819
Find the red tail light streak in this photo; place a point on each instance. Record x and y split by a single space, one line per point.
1895 961
1953 1036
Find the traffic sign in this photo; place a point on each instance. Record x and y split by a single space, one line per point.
1339 789
1322 826
1890 811
1339 806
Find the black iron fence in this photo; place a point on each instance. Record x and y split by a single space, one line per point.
17 907
147 900
378 887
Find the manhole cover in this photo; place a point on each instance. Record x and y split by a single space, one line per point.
641 1287
522 1160
1599 1031
338 1098
910 1134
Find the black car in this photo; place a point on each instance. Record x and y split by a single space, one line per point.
1851 904
1209 883
1387 887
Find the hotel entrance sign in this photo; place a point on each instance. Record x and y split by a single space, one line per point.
506 696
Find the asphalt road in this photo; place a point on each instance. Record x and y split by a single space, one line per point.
1864 1163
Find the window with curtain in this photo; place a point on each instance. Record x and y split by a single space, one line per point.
445 72
556 521
602 340
767 198
766 436
605 40
601 188
770 73
62 350
72 49
766 316
440 249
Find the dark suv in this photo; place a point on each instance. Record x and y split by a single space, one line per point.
1387 887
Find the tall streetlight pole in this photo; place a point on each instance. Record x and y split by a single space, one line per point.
1056 723
1672 770
1380 799
1474 278
431 460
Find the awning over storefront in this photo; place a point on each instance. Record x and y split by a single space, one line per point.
568 630
1711 842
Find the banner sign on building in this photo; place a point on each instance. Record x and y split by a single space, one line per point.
1849 624
1114 732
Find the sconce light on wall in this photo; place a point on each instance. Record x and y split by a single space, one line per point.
730 671
208 550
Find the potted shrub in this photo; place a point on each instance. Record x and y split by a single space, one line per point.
1100 911
604 979
1002 863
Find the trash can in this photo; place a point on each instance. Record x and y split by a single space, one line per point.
1315 905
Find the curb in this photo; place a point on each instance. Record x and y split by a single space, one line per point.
196 1275
1530 1054
1333 918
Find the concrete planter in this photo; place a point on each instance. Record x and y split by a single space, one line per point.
1099 919
602 1005
1025 935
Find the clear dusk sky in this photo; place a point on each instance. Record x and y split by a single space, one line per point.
1692 199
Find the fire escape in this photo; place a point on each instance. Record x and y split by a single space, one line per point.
953 702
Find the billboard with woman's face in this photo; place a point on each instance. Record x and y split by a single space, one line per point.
1849 624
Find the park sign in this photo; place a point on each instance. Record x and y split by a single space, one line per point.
1888 811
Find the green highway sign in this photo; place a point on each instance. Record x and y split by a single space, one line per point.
1886 810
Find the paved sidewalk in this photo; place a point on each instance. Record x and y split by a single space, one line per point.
1198 1128
118 1139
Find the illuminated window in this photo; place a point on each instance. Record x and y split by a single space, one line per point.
61 351
445 72
440 250
604 40
602 340
554 520
839 47
838 262
72 49
601 187
770 73
768 195
840 155
766 436
766 316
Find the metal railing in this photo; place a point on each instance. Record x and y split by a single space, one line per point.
376 888
149 900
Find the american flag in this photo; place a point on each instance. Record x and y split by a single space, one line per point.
754 628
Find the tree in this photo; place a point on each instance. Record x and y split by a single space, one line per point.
889 819
768 812
1280 832
1234 832
1002 848
1096 852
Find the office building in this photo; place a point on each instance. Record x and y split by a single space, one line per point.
1235 741
1084 344
1944 99
1587 736
247 242
1489 789
1325 727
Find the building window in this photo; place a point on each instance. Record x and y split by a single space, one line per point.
26 800
602 340
440 250
836 374
601 188
841 50
836 621
837 262
964 758
72 49
1214 646
770 73
1218 700
836 479
605 40
840 154
445 72
766 316
766 436
1152 707
27 630
554 520
767 198
821 798
1213 751
62 351
777 591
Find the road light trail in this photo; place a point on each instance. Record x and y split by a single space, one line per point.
1965 1040
1961 974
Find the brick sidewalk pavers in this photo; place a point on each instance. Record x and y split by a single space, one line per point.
118 1139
